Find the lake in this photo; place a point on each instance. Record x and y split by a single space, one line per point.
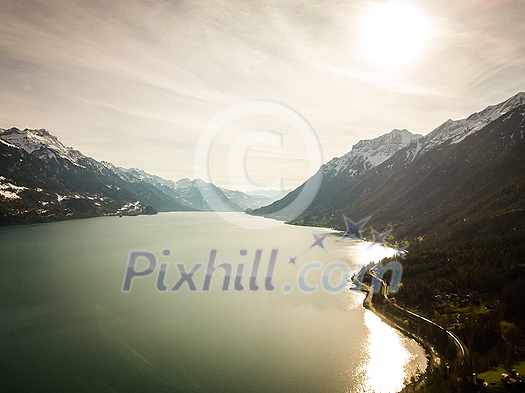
277 324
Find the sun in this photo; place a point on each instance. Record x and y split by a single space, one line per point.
393 33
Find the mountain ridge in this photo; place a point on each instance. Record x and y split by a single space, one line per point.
368 179
411 186
104 188
371 152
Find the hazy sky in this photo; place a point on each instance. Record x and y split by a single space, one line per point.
136 82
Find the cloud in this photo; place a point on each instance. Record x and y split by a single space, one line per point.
113 68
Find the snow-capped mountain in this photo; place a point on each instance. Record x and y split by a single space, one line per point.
135 175
44 186
189 192
39 143
104 187
413 181
367 154
455 131
198 194
397 176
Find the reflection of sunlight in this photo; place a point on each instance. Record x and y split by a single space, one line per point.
387 358
373 252
362 253
353 299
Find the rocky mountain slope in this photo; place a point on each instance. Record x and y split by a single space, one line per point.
367 154
33 190
364 156
464 176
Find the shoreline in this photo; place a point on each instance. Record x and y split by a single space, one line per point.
435 339
434 360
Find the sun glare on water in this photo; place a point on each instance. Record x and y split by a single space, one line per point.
393 33
388 358
373 252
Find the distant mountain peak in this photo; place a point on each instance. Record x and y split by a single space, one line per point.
399 137
40 131
40 143
184 183
368 153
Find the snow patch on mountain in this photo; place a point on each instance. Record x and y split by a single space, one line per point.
131 208
136 175
7 143
9 190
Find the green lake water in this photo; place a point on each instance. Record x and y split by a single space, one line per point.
67 326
